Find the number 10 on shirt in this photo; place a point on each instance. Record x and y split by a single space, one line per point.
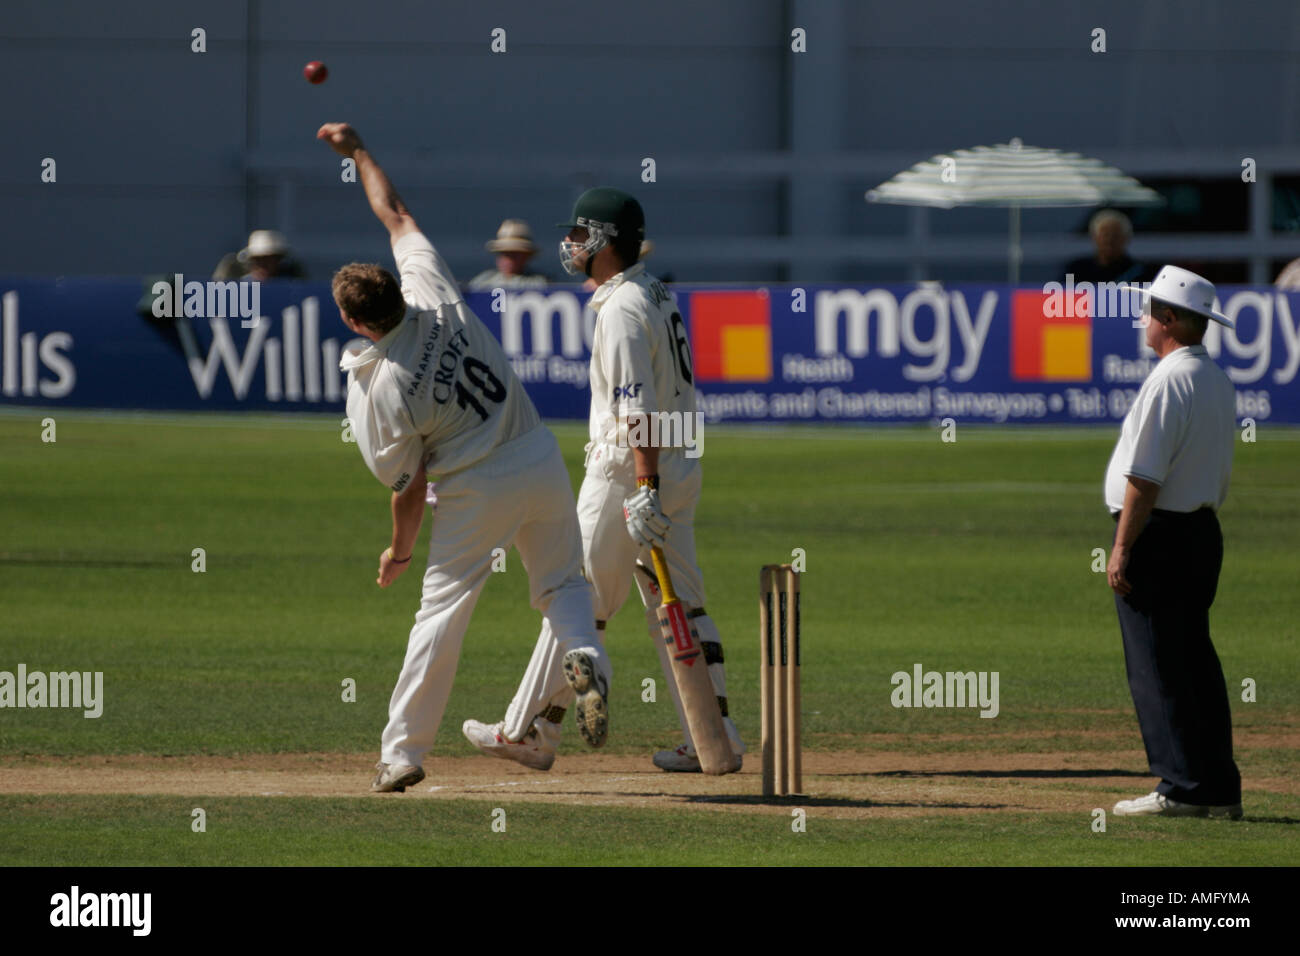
481 377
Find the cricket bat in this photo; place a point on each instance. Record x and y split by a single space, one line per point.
686 656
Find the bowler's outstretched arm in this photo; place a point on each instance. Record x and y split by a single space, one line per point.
384 201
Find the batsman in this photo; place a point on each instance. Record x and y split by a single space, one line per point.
639 495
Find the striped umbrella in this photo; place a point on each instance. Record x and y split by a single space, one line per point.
1013 175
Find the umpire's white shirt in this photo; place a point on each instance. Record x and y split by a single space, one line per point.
1179 434
436 393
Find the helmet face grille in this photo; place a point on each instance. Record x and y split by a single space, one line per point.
570 251
593 226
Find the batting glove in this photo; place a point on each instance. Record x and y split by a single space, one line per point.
646 521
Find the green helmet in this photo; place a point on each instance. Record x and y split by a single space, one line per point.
604 213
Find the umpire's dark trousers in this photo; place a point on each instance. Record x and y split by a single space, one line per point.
1173 671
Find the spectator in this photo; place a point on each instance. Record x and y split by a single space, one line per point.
1289 278
514 247
265 257
1111 232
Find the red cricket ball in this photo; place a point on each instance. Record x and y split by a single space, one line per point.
315 72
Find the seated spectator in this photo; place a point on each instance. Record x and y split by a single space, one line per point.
514 247
265 257
1289 278
1111 232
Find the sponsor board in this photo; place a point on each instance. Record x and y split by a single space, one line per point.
893 353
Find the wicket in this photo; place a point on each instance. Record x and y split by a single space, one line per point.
778 616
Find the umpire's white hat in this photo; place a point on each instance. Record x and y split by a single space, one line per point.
1186 290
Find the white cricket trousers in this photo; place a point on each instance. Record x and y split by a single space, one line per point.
519 495
611 559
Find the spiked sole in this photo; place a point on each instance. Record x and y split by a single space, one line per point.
591 710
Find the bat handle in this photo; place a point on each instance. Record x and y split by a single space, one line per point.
665 579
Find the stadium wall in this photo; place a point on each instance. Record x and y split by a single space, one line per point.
168 157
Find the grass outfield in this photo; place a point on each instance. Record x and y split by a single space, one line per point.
155 831
973 555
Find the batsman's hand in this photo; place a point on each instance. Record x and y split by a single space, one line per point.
342 138
390 570
646 521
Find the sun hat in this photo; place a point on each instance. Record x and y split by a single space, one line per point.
1185 290
513 236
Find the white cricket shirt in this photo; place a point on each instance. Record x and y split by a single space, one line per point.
640 360
1179 434
436 394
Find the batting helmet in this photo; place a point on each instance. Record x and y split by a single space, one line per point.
605 213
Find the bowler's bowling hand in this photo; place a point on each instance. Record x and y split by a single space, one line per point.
342 138
646 521
390 570
1115 570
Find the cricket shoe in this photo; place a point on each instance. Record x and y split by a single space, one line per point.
681 760
684 760
530 751
592 707
1158 805
395 778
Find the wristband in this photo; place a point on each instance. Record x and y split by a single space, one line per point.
648 481
393 560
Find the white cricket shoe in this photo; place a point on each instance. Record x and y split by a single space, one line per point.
531 751
592 707
684 760
395 778
1157 804
681 760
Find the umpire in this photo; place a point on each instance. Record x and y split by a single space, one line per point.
1166 479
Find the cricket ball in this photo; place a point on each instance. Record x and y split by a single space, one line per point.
315 72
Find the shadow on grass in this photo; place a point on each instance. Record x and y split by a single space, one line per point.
1027 774
741 799
1286 821
756 800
